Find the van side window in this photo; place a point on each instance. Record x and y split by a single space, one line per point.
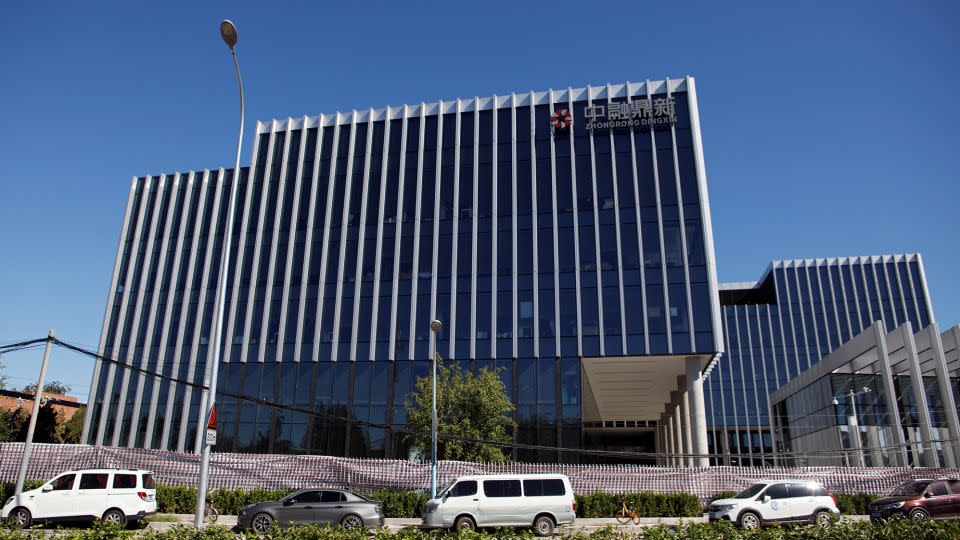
937 489
464 489
544 488
149 482
124 481
93 481
64 482
501 488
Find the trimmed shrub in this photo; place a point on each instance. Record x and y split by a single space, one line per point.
606 505
399 504
854 503
7 488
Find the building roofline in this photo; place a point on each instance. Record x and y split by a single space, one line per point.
495 101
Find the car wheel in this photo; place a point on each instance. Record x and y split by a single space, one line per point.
115 517
20 518
749 520
543 526
261 523
919 514
822 519
351 521
464 523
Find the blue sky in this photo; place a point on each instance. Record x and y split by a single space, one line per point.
828 127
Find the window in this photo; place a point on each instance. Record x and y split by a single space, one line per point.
543 488
954 486
149 482
800 490
93 481
64 482
126 481
309 497
464 489
777 491
937 489
331 496
501 488
816 490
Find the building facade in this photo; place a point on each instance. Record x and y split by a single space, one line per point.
563 237
797 313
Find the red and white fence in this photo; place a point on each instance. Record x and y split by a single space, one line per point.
296 471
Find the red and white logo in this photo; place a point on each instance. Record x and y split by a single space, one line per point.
561 120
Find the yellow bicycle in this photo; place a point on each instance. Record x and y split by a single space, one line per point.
626 514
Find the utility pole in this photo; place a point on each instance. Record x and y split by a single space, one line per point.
22 474
435 327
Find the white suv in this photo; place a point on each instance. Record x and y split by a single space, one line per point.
114 495
776 501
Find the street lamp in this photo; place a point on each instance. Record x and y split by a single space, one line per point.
435 327
853 424
229 34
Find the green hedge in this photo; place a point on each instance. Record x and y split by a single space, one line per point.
894 530
409 504
7 488
605 505
854 503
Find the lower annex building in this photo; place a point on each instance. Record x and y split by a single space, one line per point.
563 236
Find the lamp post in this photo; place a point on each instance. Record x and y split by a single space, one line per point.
229 34
853 425
435 327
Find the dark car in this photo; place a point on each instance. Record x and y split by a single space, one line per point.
315 507
919 500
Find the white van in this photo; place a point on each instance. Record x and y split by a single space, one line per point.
541 501
114 495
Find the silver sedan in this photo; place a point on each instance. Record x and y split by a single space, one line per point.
313 507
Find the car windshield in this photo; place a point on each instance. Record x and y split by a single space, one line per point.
750 491
910 488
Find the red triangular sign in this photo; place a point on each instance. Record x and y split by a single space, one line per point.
212 424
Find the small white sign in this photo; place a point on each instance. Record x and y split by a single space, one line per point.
211 437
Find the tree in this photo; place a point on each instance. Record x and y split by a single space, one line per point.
15 424
468 406
69 432
52 387
3 378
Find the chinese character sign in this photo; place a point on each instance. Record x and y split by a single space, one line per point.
631 114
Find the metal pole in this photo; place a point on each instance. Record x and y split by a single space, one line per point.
854 429
209 399
435 327
27 444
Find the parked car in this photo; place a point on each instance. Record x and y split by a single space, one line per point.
541 501
780 501
118 496
314 506
919 500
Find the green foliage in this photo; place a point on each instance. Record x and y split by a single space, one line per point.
722 495
15 424
606 505
70 431
468 406
854 503
183 499
894 530
7 488
399 504
52 387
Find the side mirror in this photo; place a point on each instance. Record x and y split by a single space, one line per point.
46 488
288 502
766 499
